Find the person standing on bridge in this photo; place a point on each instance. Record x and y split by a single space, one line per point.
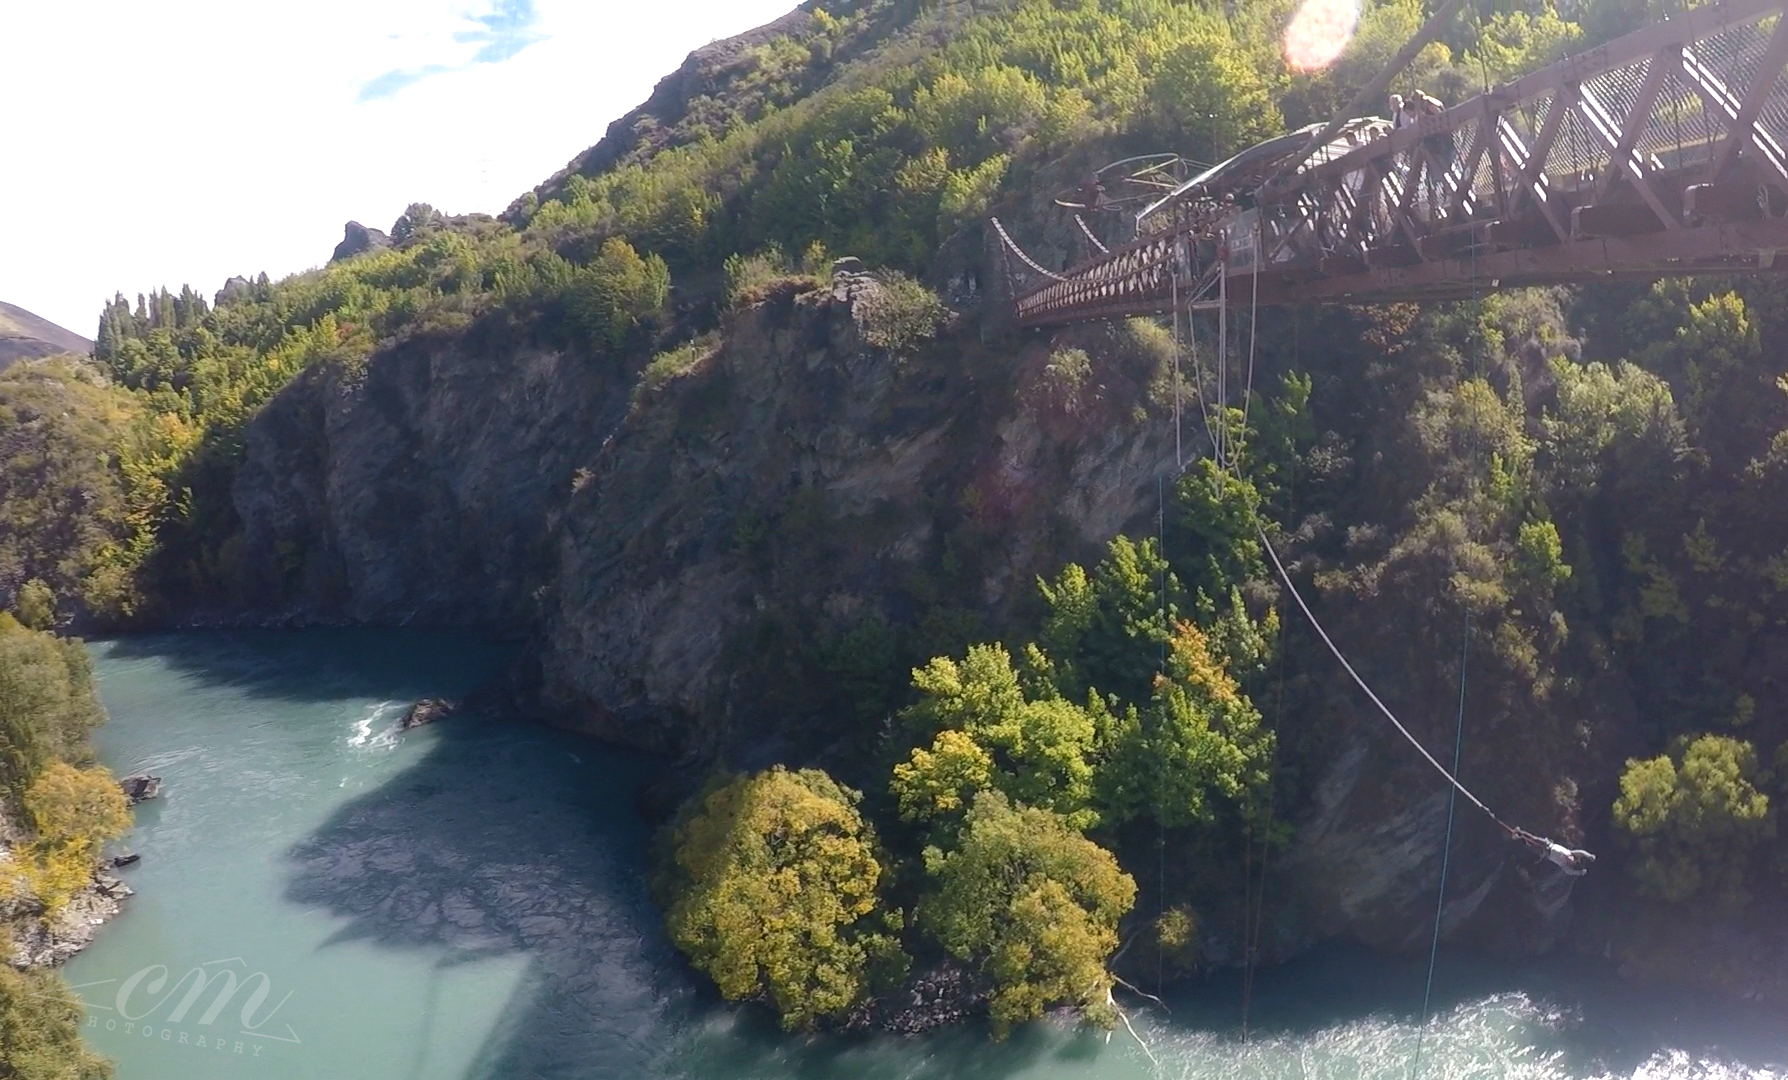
1401 115
1440 144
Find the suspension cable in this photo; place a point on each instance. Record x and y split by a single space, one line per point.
1179 456
1204 409
1223 358
1362 684
1253 324
1446 852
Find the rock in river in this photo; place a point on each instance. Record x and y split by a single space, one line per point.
140 787
427 711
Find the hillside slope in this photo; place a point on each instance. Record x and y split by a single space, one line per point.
732 493
24 335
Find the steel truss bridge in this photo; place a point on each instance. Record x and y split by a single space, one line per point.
1657 154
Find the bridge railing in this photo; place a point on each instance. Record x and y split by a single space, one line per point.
1633 121
1661 152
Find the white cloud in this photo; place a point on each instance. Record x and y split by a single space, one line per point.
152 144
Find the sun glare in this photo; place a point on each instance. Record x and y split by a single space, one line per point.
1319 31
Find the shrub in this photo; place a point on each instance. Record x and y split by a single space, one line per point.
613 294
775 883
899 313
669 366
47 704
1692 818
1065 378
40 1035
1034 903
980 714
75 812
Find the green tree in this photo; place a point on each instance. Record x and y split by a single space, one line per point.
775 893
899 313
40 1037
47 704
1034 747
66 528
417 221
1197 741
74 812
1692 819
1217 542
1210 96
1034 904
613 294
970 113
1515 42
1105 632
83 807
35 605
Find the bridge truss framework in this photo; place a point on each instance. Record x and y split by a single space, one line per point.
1660 153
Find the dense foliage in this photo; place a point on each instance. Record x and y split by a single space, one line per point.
876 129
40 1031
59 808
1694 818
48 707
68 536
775 887
1034 902
68 806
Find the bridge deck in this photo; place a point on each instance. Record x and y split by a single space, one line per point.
1660 153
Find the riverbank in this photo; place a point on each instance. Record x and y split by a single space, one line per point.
33 938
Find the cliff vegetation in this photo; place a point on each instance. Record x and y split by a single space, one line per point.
966 653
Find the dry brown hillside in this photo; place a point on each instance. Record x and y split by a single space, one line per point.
24 335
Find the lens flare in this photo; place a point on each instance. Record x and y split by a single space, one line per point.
1319 32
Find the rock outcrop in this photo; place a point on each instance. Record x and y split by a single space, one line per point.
427 711
36 937
357 238
140 787
40 941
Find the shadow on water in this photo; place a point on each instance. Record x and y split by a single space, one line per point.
491 846
321 665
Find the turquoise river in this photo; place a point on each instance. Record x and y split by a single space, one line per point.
466 901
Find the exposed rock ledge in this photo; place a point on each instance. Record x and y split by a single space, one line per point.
38 942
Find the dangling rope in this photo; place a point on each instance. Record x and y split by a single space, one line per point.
1253 324
1446 852
1204 409
1179 456
1362 684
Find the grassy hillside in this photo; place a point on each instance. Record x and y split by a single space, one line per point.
24 335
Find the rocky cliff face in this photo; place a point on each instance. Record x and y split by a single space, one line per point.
793 472
677 553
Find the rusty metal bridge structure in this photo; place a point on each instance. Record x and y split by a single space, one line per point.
1657 154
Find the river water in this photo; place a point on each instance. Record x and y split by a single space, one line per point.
466 901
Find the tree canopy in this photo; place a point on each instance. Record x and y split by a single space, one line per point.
1032 902
40 1037
1693 818
775 884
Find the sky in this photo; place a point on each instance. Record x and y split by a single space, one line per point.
180 142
